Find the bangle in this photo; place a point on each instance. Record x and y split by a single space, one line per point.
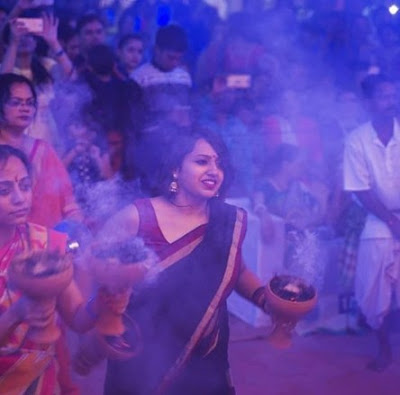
59 53
258 297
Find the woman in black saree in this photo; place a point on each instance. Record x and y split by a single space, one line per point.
182 315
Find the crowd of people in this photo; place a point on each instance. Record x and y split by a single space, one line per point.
142 125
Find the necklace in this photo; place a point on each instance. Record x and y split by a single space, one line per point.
194 209
179 205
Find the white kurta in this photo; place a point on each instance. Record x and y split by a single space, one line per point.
370 165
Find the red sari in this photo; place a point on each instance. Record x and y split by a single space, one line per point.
26 367
53 197
53 200
183 315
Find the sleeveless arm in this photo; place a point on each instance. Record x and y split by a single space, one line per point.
122 225
71 306
247 282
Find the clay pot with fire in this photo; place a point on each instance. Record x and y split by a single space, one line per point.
117 268
289 299
42 276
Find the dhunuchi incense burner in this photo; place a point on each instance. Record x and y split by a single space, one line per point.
289 298
42 276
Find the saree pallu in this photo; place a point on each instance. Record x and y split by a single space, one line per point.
183 316
26 367
53 196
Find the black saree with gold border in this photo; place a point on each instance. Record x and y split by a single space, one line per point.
183 316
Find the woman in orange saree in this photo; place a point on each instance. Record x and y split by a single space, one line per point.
53 198
27 367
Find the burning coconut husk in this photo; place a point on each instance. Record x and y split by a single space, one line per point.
289 299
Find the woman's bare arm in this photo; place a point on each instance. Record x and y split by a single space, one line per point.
249 286
121 226
78 314
17 30
49 34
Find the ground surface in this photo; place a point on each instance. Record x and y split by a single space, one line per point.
320 364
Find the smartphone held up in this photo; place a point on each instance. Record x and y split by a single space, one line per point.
32 25
238 81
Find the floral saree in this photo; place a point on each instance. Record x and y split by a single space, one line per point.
25 367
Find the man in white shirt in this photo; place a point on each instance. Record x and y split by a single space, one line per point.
166 85
372 173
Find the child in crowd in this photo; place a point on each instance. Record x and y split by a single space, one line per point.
115 144
85 161
130 53
109 196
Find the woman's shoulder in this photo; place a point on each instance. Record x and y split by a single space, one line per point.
229 216
43 156
125 223
143 202
33 148
130 213
223 207
39 146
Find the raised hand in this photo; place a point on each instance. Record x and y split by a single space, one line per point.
50 26
17 30
34 313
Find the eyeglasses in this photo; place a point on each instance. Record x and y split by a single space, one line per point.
14 102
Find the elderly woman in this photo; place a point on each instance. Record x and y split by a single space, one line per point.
198 239
25 366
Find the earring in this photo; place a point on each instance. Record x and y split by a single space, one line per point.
217 194
173 186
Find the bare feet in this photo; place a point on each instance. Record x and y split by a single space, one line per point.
381 362
384 357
